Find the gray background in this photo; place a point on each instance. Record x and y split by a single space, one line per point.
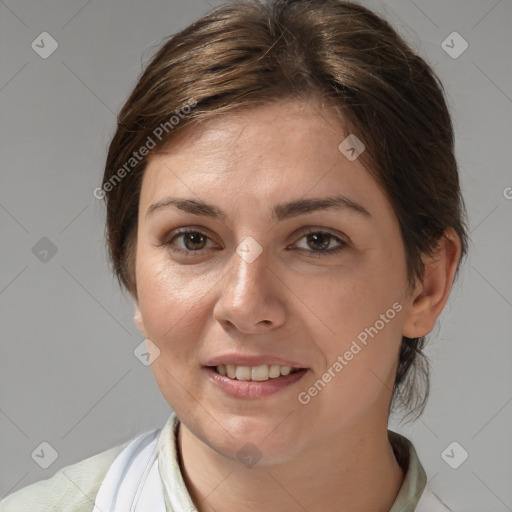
68 375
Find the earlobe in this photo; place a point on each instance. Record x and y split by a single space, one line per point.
138 319
431 294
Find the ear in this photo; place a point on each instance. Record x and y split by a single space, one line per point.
431 294
138 319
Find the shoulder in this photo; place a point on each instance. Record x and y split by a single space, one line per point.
73 488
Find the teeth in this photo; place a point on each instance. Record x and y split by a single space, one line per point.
274 371
231 370
259 372
243 373
256 373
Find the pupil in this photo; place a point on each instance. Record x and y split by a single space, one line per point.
195 238
324 239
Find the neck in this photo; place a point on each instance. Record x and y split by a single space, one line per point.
352 471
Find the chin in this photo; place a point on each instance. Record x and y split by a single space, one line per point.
269 440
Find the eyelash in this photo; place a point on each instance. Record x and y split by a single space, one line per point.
314 254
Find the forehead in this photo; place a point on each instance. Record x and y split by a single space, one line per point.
268 154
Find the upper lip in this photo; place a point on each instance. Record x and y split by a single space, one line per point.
240 360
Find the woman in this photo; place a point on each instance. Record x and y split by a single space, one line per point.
283 205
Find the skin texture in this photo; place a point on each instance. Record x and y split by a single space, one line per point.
286 303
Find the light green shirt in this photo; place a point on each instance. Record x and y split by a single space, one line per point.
74 487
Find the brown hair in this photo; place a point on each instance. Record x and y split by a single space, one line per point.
249 53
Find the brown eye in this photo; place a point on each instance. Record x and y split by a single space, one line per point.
321 243
194 240
319 240
187 242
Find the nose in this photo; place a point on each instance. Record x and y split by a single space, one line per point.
251 297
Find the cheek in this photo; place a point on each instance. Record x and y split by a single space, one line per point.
364 368
363 313
357 301
169 304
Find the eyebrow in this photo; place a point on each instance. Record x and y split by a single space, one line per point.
280 212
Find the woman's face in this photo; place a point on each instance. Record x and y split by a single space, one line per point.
269 276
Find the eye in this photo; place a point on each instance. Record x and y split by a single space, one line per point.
320 241
192 241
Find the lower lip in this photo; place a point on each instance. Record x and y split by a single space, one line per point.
250 388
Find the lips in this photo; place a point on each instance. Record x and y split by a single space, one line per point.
253 375
253 389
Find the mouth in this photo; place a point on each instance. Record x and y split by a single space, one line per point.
259 373
253 382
